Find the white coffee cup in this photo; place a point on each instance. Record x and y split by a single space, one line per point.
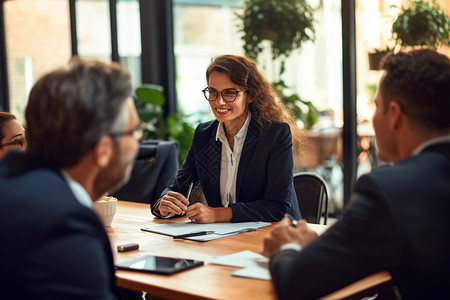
105 209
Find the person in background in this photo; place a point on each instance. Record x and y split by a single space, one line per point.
12 134
397 219
83 134
243 160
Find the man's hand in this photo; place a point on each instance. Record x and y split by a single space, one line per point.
285 233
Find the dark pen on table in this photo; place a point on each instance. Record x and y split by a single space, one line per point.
292 221
199 233
192 234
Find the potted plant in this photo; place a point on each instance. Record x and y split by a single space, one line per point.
287 24
149 100
421 23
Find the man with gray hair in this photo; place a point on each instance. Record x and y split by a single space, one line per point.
83 135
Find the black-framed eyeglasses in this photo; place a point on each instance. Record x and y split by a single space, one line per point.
22 142
137 132
228 95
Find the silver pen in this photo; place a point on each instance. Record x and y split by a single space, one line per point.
189 190
188 194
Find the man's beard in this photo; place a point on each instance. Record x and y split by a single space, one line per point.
116 174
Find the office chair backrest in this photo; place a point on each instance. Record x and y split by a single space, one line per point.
154 168
312 196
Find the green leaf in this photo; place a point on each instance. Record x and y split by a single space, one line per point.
149 101
148 116
174 125
152 94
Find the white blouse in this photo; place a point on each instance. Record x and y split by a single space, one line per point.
229 163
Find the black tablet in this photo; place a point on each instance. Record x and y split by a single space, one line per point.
159 264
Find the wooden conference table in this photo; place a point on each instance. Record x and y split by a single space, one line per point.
208 281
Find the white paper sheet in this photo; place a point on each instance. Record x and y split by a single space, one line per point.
253 272
222 229
254 265
241 259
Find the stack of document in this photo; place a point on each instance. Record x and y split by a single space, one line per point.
203 232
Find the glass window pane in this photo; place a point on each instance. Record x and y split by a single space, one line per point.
200 33
129 37
374 21
93 29
37 41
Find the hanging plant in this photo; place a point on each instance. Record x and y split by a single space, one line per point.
287 24
422 23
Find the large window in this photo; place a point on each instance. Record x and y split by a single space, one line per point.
37 40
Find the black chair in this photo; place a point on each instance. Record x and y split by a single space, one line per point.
154 168
312 195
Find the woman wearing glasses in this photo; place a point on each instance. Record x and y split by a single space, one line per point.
243 159
12 133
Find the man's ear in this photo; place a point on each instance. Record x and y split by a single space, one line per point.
396 115
103 151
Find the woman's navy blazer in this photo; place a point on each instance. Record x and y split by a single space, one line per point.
264 187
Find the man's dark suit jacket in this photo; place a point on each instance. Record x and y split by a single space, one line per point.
398 220
52 247
264 184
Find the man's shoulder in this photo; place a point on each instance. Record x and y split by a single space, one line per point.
16 165
42 222
23 175
414 165
408 178
34 187
38 207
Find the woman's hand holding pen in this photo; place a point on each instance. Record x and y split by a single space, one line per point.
201 213
174 203
285 232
